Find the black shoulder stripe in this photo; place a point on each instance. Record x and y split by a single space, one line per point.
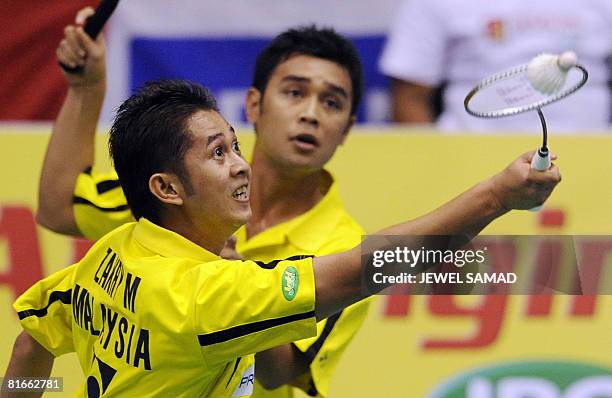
65 297
243 330
82 201
107 185
314 349
272 264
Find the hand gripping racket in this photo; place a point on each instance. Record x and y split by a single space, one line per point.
93 26
546 79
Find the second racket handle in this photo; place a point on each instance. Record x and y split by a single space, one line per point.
541 162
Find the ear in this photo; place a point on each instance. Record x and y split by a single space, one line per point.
347 129
167 188
253 105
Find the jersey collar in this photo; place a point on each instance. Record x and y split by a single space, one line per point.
169 244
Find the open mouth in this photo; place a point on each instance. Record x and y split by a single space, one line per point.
306 139
241 193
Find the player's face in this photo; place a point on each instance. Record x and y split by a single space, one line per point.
304 113
218 175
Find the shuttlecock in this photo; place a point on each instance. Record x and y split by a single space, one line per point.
547 72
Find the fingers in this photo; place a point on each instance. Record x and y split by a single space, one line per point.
80 20
77 47
555 172
65 58
92 48
542 183
74 46
83 14
74 43
521 187
70 52
527 156
552 175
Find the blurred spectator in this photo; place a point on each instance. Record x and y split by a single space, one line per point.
433 41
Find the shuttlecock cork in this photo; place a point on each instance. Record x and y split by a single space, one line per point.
547 72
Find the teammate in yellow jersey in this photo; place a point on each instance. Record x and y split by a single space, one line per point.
307 85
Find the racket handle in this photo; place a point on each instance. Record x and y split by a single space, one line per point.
541 162
93 26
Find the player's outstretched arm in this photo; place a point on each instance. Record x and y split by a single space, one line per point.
29 359
338 277
71 148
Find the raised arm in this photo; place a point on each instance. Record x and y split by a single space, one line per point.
338 277
71 147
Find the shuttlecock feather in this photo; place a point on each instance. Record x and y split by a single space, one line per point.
547 72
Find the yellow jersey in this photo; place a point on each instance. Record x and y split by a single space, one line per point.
150 313
99 204
327 228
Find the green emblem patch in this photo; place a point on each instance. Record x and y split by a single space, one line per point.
290 283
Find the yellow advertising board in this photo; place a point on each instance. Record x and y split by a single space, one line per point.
410 346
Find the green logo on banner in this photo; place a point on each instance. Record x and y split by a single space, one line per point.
291 282
554 379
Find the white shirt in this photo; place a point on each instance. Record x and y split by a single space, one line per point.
464 41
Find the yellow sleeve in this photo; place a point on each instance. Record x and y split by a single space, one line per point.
45 311
243 307
99 204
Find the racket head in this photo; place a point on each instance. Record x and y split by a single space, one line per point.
509 93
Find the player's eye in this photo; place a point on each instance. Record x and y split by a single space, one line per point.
218 152
294 93
333 102
236 146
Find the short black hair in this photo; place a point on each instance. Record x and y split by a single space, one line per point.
323 43
150 134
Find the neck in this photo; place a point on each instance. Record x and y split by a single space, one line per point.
202 233
279 194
